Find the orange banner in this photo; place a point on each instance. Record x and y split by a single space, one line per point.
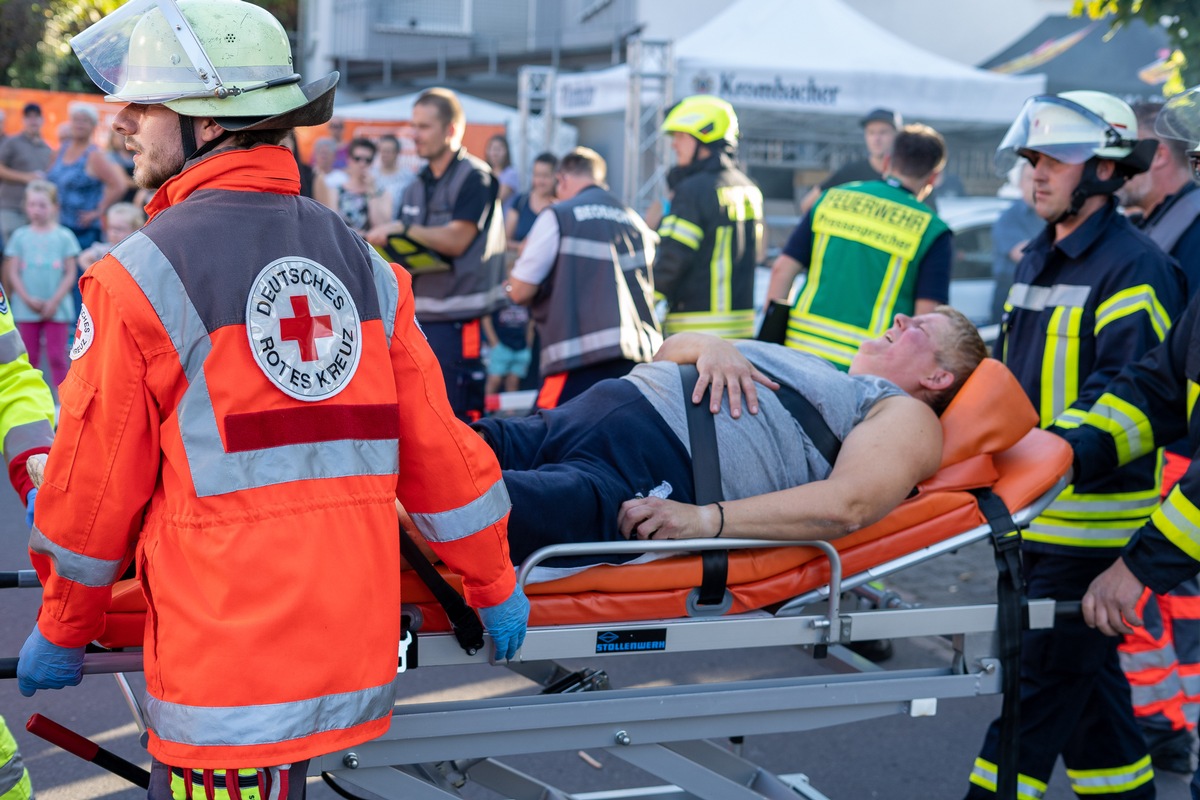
54 110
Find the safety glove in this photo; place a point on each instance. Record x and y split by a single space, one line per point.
506 623
44 665
29 501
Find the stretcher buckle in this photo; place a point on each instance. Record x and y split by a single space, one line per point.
405 641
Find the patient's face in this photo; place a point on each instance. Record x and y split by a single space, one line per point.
906 353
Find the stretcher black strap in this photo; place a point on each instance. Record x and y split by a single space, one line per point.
706 479
468 630
1006 541
810 420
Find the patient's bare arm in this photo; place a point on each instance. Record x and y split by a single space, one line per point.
896 447
719 363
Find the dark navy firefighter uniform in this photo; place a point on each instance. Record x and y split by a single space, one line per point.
1079 310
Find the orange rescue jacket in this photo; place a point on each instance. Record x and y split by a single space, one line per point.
250 394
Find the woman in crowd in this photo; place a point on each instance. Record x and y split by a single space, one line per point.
88 180
361 204
525 208
499 158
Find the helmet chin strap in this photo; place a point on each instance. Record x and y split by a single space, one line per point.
1091 185
187 132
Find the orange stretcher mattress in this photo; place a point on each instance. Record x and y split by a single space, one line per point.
990 439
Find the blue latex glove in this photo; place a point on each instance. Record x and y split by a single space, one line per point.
43 665
506 623
29 500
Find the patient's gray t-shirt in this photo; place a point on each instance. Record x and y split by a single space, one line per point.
768 451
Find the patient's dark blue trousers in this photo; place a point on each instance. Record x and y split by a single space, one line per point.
568 469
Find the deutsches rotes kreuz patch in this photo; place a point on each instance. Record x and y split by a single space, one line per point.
304 329
85 333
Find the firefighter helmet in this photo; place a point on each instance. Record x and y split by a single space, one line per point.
227 59
709 119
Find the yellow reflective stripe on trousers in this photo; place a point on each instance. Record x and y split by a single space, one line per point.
1111 781
682 231
984 775
1096 534
1130 301
1178 519
720 271
1125 423
733 325
1060 363
889 291
1193 391
14 778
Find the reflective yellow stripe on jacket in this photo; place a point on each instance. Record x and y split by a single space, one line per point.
721 319
14 778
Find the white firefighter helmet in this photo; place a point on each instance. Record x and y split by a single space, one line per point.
227 59
1071 127
1180 117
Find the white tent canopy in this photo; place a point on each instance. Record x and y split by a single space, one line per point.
823 57
478 111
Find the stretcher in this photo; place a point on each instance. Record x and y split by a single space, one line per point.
774 595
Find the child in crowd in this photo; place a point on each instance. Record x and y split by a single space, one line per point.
40 267
120 220
509 333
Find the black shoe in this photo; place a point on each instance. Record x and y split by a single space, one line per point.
874 650
1170 751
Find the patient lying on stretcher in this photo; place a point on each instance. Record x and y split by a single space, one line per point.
614 462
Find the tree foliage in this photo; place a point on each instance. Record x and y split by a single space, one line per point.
35 35
1180 18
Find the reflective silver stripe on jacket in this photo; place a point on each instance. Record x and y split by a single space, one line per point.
588 343
84 570
388 289
1039 298
11 774
214 471
11 347
475 303
601 251
239 726
27 436
458 523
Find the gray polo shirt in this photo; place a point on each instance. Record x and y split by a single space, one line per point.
22 154
768 451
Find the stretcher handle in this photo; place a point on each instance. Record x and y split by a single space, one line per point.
1068 609
93 664
86 749
19 579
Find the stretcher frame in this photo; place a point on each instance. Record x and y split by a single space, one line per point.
433 747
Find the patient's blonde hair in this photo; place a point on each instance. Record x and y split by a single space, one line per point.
960 352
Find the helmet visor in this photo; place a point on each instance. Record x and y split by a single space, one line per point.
1180 117
1059 128
146 52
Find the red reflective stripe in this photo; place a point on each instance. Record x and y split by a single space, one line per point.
257 430
284 772
552 389
1173 469
471 340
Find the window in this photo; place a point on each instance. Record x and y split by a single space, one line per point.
418 16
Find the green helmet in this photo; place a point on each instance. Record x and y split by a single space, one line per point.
226 59
710 119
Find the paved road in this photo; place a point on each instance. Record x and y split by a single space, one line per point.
895 757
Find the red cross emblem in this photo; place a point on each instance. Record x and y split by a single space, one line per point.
304 329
